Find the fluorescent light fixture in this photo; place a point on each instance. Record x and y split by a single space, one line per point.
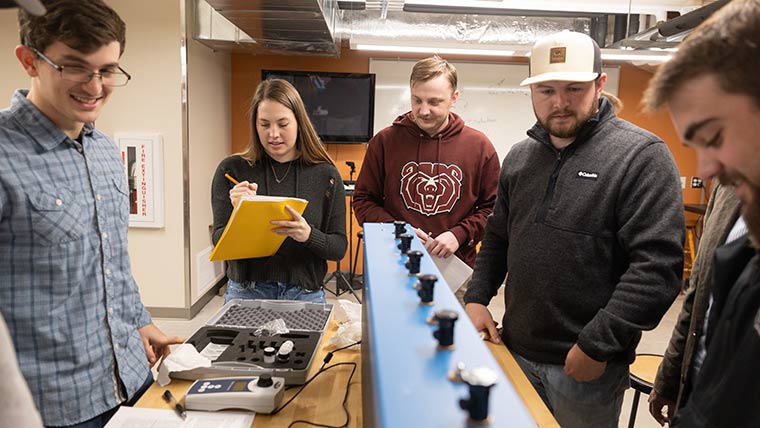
429 48
434 47
579 8
636 55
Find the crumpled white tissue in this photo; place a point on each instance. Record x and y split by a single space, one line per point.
347 311
348 333
348 314
183 357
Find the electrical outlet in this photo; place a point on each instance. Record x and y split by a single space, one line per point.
696 183
683 182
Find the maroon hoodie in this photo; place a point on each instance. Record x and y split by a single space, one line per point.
446 182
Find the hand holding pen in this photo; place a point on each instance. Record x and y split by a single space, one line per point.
242 188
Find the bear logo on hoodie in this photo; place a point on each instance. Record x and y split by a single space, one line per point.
430 188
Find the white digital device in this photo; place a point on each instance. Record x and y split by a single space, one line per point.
261 394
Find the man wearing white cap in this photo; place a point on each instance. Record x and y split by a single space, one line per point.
589 225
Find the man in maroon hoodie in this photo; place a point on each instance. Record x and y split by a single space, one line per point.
431 170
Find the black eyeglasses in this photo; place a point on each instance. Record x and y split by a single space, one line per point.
73 73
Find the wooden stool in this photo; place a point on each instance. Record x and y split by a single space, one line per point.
643 372
690 249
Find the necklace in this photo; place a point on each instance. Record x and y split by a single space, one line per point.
278 179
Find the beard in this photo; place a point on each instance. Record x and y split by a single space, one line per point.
565 131
751 214
750 203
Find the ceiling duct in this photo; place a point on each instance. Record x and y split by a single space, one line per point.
216 31
317 27
292 27
424 28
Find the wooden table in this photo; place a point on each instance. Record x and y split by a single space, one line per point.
522 385
322 400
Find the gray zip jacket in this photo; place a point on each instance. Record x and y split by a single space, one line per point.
592 238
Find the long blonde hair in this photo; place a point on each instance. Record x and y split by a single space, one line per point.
308 145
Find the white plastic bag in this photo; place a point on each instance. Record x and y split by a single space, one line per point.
347 311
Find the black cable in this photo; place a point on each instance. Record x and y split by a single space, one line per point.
345 347
321 370
345 400
326 360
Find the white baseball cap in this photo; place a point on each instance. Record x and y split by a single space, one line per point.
33 7
566 56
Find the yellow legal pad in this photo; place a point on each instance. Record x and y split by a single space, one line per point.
248 233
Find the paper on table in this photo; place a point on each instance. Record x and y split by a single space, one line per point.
212 351
454 270
133 417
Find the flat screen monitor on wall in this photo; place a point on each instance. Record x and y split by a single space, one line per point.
341 106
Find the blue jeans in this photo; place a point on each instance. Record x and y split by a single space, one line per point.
102 419
579 404
271 290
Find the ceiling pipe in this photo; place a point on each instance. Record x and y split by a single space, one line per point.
690 20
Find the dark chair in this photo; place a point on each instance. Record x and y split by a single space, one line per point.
356 280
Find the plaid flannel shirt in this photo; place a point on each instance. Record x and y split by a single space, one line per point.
66 288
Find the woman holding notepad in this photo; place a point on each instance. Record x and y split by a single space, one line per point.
284 158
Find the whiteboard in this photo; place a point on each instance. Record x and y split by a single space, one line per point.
491 99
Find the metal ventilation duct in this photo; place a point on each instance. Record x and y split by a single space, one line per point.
317 27
292 27
461 29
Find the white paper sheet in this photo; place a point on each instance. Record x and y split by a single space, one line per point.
454 270
133 417
212 351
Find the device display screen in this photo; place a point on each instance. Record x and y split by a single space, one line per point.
239 386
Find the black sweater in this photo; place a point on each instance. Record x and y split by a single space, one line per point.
302 264
591 237
726 392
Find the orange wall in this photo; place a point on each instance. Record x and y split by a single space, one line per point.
633 82
246 75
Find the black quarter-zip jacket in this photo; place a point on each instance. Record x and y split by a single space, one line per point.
592 239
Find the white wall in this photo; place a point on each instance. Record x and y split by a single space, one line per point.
210 131
13 76
152 102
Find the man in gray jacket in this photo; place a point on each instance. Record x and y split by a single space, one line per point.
589 225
